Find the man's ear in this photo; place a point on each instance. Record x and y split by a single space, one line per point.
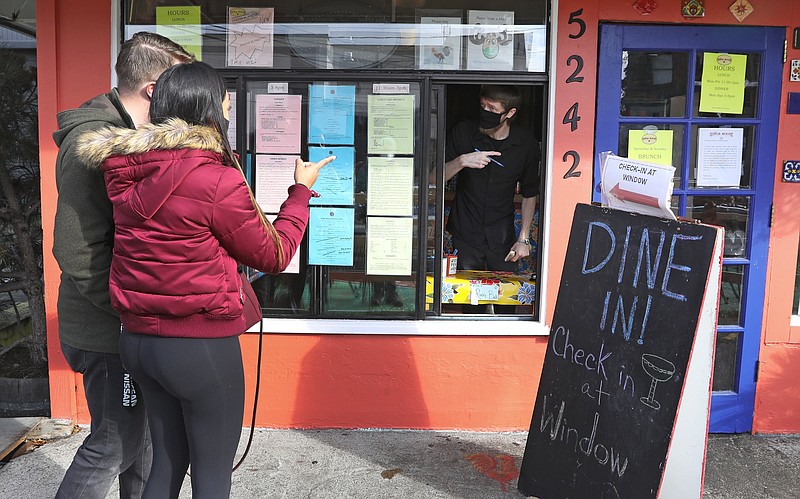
511 112
148 89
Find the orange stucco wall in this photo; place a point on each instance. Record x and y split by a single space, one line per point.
415 381
777 406
396 381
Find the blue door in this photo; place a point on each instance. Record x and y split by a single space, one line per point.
651 90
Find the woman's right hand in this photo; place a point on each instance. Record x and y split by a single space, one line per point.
306 172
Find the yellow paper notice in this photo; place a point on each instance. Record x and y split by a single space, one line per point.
652 146
390 127
181 25
722 88
389 245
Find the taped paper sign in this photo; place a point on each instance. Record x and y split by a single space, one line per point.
636 186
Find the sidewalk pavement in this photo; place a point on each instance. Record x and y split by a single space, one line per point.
384 464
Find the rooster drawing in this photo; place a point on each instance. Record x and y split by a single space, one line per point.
500 467
441 55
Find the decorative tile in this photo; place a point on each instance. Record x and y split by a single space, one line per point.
741 9
693 8
791 171
645 7
795 73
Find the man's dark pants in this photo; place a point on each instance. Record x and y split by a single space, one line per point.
119 442
483 258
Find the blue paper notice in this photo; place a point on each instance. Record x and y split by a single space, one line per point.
331 114
335 181
330 236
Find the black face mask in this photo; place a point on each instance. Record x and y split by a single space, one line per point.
489 120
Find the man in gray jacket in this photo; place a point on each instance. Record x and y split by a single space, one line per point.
119 444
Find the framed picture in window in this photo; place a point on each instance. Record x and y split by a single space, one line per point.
439 39
490 43
250 32
343 34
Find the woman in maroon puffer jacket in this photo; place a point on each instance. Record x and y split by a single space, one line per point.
184 219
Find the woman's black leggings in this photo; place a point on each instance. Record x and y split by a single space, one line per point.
194 389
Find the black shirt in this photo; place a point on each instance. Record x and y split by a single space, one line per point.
483 209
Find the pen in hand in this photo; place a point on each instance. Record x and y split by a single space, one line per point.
492 159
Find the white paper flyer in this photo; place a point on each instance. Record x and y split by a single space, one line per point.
250 32
636 186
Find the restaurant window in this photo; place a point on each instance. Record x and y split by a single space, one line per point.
379 85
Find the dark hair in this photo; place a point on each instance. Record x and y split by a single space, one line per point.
507 95
144 57
194 93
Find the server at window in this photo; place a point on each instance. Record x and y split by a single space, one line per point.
490 156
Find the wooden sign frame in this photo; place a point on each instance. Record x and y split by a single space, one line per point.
625 394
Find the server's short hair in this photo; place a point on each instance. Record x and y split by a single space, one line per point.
507 95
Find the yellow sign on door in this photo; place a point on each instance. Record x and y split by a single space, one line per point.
722 88
652 146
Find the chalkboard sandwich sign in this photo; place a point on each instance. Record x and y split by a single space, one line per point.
626 318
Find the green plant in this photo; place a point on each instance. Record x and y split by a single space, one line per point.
20 214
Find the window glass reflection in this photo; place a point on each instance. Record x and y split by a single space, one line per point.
725 362
729 212
654 84
730 295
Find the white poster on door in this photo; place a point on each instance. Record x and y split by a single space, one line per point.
719 157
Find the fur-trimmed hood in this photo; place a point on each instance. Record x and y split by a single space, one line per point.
142 168
97 146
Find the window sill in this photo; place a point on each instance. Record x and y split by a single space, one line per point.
437 327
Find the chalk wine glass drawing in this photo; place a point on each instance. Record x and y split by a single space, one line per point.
660 370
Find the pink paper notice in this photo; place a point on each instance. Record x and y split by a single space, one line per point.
278 123
274 175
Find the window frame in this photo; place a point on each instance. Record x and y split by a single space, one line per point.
238 79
